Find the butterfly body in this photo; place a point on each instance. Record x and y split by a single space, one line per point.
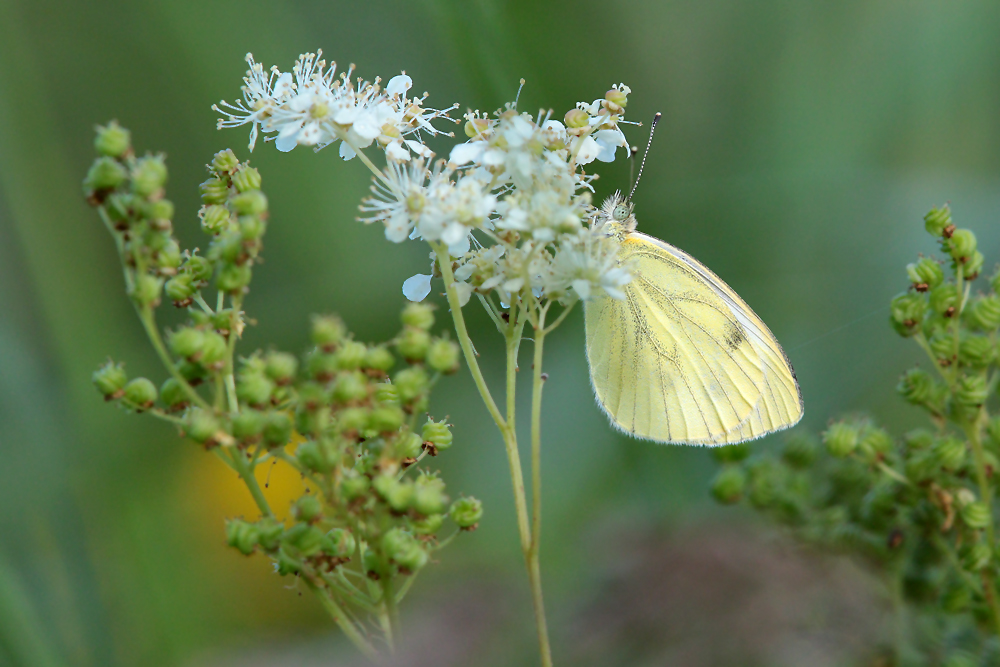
682 359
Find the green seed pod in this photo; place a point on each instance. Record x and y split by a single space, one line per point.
193 372
321 366
950 453
281 367
246 178
841 439
213 351
418 316
379 358
616 97
429 525
214 191
311 455
387 393
800 451
396 541
307 508
385 419
169 258
252 202
373 564
971 390
173 394
977 557
199 268
343 543
269 531
216 219
916 386
140 393
972 266
466 513
412 383
938 221
277 429
919 438
976 351
413 344
328 331
180 289
161 210
443 356
728 485
925 274
252 228
731 453
149 175
875 443
224 161
146 290
412 559
112 140
202 426
907 313
308 539
409 446
945 299
105 174
254 388
961 245
110 379
429 496
397 494
312 422
352 419
576 118
943 348
233 278
921 466
228 248
353 487
351 355
286 564
984 313
975 515
248 425
438 434
350 387
242 536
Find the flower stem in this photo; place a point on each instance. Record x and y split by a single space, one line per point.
534 565
246 474
341 619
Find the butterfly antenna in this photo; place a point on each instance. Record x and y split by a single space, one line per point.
656 119
632 152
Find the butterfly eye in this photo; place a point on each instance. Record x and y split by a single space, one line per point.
620 212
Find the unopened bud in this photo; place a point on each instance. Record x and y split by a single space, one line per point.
938 220
216 219
149 175
350 387
419 315
277 429
466 513
950 453
248 425
443 356
945 299
576 118
146 290
246 179
975 515
841 439
224 161
379 358
214 191
342 543
105 174
234 278
976 351
202 426
199 268
925 274
412 383
328 331
438 434
281 367
385 419
800 451
984 313
961 245
242 535
907 313
112 140
971 390
351 355
110 379
173 394
916 386
254 388
728 485
307 508
413 344
252 202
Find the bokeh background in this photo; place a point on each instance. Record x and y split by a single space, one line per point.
800 146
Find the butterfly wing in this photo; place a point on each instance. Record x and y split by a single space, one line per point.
682 359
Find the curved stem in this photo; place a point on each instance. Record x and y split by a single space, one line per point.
534 565
341 619
246 474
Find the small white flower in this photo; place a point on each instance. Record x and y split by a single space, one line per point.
416 288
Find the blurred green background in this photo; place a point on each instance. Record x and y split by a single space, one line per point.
801 144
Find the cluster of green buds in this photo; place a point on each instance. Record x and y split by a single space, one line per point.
919 508
350 417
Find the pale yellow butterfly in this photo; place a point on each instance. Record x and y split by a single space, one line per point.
682 358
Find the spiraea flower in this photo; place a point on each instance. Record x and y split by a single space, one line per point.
314 106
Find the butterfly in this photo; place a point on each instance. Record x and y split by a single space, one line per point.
682 358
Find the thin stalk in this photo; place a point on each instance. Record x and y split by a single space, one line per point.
246 474
391 612
534 565
972 431
149 324
510 440
341 619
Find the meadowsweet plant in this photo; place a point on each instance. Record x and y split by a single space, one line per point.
919 508
350 417
507 217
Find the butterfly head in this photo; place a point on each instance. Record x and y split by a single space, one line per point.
615 216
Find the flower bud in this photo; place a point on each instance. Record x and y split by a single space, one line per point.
169 258
921 465
248 425
193 372
438 434
105 174
252 202
281 367
938 221
616 97
350 387
728 485
413 344
476 127
277 429
466 513
173 394
149 175
412 383
246 179
201 426
180 289
403 549
386 419
443 356
800 451
907 312
214 191
224 161
312 422
342 543
199 268
254 388
311 455
961 245
352 420
269 532
731 453
252 228
411 559
576 118
307 509
919 438
387 394
950 453
140 393
233 278
216 219
409 446
418 315
841 439
984 313
160 211
308 539
429 496
328 331
916 386
943 347
971 390
945 299
321 366
146 290
875 443
112 140
428 525
242 535
286 564
355 486
351 355
379 358
110 380
397 494
925 274
213 351
976 351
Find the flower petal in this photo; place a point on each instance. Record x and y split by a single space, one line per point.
416 288
398 85
467 152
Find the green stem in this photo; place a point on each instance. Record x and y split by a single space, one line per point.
149 324
509 433
342 620
391 618
246 473
972 432
534 565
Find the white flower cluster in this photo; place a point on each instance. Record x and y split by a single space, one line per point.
313 106
512 205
